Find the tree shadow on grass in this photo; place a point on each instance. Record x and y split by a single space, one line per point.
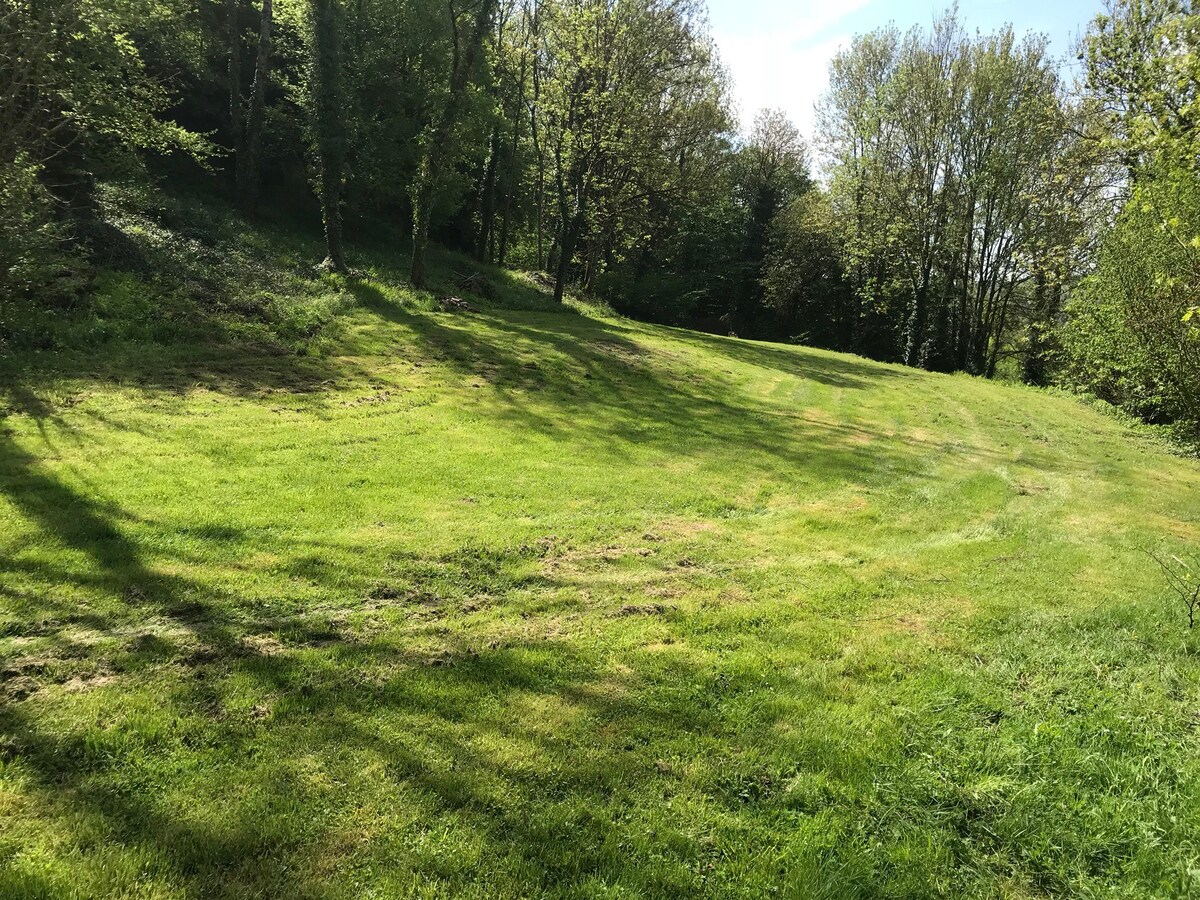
436 737
434 724
68 765
242 805
545 806
824 367
592 382
437 733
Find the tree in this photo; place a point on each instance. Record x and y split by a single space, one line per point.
1131 336
859 137
803 280
1128 339
72 82
327 121
773 171
248 136
629 99
942 146
468 38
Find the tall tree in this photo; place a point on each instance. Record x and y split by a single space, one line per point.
859 137
467 49
629 97
251 136
327 122
237 112
72 83
941 146
773 171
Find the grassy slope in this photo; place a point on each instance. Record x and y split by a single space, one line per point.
527 603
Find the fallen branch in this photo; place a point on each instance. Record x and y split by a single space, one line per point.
454 304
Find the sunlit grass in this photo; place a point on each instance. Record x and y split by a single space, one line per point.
550 603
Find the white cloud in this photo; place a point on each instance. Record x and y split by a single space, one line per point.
785 67
772 72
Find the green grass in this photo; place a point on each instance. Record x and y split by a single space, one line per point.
530 603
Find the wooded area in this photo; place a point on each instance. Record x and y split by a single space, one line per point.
974 209
447 450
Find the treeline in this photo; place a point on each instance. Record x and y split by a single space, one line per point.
977 213
962 177
982 213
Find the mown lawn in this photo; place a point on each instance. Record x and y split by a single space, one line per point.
550 603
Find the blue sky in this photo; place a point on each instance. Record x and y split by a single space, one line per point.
778 51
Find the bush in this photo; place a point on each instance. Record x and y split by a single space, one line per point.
29 237
1129 338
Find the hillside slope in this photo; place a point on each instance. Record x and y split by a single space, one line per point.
551 603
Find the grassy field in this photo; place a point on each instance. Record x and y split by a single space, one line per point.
547 603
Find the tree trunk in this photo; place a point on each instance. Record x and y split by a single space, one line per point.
328 123
591 265
487 201
68 178
235 80
422 211
541 214
247 160
539 151
502 245
963 341
331 197
437 138
916 322
994 354
1034 369
566 253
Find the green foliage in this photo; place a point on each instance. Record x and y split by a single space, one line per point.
329 128
630 116
693 271
74 86
1131 336
956 182
29 238
594 141
1143 61
803 279
81 75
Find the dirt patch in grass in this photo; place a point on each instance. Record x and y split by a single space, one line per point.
18 687
611 553
384 594
81 684
682 528
266 644
641 609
